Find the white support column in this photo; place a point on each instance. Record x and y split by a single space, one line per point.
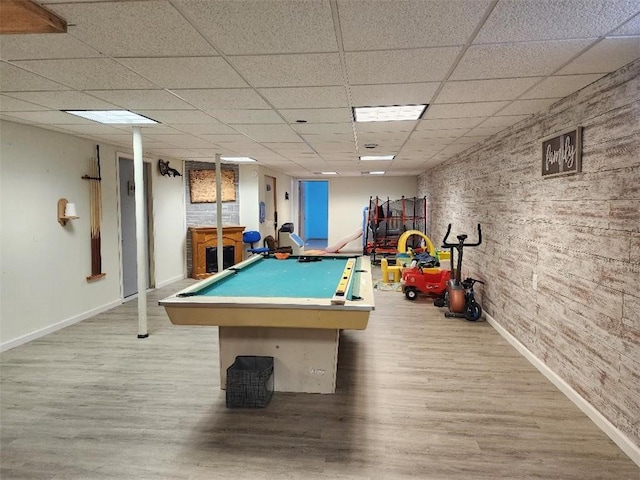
219 211
138 176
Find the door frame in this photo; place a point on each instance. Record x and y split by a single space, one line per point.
147 165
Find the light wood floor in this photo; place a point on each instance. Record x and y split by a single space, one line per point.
419 397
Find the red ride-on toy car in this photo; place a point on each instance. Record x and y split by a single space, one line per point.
424 279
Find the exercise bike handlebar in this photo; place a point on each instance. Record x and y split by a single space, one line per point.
445 244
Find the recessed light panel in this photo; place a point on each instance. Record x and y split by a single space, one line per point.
394 113
376 173
366 158
329 173
113 117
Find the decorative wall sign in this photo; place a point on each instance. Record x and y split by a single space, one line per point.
562 154
202 185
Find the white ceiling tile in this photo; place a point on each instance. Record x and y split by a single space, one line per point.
289 148
223 99
463 110
16 79
400 66
322 128
52 117
393 94
176 116
485 90
448 123
516 59
418 143
524 107
432 146
269 132
10 104
632 27
324 147
311 69
66 100
318 115
94 129
43 46
444 133
503 121
134 29
607 56
382 137
246 116
87 73
142 99
389 24
183 141
482 131
255 26
187 72
528 20
214 127
560 86
223 139
306 97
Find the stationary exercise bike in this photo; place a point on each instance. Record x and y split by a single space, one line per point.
460 297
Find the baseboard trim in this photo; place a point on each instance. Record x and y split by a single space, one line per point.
618 437
16 342
171 280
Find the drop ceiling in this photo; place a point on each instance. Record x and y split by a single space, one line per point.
237 77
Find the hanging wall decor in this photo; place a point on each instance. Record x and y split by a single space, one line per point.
166 170
95 206
202 185
562 153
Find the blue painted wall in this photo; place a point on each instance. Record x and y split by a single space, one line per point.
316 204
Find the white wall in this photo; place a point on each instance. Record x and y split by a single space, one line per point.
45 265
349 196
169 224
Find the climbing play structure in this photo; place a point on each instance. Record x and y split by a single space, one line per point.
387 221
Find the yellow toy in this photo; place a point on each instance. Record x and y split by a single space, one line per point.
389 271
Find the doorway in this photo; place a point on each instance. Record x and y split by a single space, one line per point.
270 214
314 213
129 255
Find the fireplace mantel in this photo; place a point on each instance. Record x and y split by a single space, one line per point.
203 237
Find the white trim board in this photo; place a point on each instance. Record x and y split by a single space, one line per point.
16 342
618 437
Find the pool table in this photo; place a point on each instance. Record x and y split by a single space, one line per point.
291 309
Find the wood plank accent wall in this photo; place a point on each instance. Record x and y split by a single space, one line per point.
580 235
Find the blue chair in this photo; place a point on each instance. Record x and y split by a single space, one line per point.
252 237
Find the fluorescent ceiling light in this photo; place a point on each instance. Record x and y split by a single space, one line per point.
238 159
328 173
121 117
376 173
377 157
394 113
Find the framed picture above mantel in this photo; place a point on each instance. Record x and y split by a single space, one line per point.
562 153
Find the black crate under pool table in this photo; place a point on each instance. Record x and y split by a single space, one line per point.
291 309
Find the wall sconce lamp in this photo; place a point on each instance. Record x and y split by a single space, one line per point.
166 170
66 211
